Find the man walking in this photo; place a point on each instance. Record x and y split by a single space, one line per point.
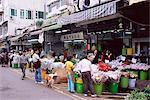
23 63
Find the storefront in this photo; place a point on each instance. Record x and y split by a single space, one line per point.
75 43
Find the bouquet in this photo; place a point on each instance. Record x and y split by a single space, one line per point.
99 77
132 75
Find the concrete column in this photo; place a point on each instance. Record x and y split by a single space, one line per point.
138 50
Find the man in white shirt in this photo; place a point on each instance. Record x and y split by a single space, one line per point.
85 68
37 66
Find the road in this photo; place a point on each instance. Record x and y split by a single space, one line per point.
13 88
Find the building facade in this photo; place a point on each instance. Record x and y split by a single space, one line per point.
16 14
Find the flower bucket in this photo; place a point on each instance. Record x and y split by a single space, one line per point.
132 83
15 66
113 87
43 74
79 87
143 75
98 88
124 82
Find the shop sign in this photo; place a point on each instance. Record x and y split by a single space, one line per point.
74 36
92 13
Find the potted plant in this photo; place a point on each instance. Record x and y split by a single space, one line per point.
124 81
99 79
114 78
132 79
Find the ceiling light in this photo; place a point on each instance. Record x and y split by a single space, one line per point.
58 32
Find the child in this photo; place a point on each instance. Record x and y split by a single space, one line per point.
69 69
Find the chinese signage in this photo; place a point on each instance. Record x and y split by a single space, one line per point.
74 36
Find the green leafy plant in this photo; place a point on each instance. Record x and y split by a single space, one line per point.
136 95
39 23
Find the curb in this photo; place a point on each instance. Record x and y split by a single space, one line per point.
73 96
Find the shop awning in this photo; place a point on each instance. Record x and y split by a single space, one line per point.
56 26
100 11
17 37
138 13
36 32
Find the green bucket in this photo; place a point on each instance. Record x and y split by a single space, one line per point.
124 82
79 87
143 75
124 51
98 88
15 65
113 87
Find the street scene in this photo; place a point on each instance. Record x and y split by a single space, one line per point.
74 50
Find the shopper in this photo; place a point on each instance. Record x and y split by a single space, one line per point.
69 69
23 63
37 66
85 69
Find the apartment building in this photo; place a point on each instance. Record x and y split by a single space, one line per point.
17 14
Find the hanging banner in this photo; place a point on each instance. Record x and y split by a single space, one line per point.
41 38
74 36
92 13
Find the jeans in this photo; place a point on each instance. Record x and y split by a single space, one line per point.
70 83
38 77
23 68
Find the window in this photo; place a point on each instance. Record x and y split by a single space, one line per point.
39 14
63 2
22 13
28 14
13 12
53 6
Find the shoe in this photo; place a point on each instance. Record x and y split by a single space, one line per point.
85 95
22 78
41 82
36 82
93 95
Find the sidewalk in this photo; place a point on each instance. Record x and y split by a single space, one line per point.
62 88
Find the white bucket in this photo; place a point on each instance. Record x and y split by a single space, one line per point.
132 83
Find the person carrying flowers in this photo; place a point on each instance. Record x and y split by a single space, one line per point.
69 69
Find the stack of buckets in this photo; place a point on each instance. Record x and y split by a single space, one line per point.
79 85
127 51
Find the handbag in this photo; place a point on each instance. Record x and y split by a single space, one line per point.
37 64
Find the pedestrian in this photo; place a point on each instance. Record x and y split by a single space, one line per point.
69 69
37 66
85 69
23 63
